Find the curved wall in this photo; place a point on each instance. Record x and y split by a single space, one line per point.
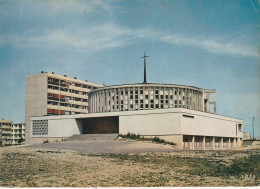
145 97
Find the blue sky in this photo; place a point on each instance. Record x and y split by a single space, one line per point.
208 44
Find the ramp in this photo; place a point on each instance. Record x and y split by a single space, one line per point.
111 136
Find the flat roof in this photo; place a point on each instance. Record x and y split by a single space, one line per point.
139 112
149 84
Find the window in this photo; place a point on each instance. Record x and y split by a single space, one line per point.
240 127
151 101
146 106
146 96
188 116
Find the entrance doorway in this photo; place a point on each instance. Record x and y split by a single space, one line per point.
100 125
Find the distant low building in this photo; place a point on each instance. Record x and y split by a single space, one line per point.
18 133
246 136
5 132
11 133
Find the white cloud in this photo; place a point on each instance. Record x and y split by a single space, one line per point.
56 7
109 35
213 45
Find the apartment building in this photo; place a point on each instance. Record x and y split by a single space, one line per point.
18 133
52 94
5 132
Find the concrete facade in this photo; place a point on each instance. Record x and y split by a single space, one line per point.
150 96
52 94
189 129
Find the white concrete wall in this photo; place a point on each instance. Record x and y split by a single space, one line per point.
151 124
205 124
61 128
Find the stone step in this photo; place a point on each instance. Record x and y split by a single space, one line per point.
111 136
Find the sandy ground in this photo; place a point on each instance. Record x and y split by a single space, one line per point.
108 146
75 164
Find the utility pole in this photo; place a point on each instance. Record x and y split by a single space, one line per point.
144 57
253 128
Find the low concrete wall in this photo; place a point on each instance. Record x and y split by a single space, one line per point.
39 140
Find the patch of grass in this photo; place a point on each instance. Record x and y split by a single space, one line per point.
138 137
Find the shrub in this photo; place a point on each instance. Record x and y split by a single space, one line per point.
138 137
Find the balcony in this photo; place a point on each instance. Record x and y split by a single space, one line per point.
6 126
6 138
6 132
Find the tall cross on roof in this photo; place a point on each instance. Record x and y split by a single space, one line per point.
144 57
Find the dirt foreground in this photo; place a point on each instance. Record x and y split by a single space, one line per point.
45 167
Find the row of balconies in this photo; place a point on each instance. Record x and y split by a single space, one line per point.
67 108
58 82
72 104
64 87
62 98
84 96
